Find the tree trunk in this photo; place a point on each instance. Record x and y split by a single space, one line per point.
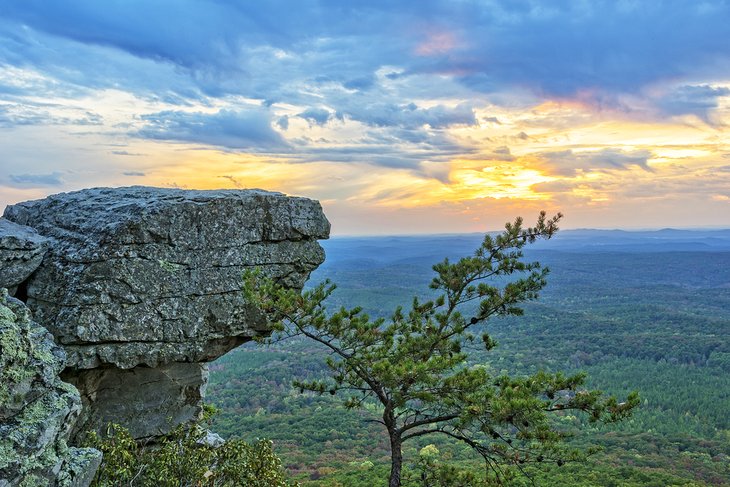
396 459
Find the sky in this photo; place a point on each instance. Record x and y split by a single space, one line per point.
401 117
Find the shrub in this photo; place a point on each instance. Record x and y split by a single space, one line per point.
184 459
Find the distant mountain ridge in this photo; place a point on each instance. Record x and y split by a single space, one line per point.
384 249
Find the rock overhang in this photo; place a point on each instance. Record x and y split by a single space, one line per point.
146 276
142 286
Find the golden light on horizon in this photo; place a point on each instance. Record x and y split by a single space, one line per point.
560 154
500 181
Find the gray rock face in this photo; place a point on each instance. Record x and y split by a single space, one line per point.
21 252
146 276
167 395
147 279
37 410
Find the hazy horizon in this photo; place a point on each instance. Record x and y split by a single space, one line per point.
562 231
527 221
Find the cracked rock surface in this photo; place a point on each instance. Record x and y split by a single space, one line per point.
140 278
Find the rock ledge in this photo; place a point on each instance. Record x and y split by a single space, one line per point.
142 286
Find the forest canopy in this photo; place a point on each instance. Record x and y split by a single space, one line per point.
414 368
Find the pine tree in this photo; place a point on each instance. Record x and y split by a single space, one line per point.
414 367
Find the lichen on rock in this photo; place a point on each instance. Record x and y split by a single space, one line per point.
37 409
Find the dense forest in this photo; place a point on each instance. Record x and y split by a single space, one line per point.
646 311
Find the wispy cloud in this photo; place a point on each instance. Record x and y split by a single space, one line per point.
411 115
561 49
32 180
449 105
234 129
15 114
569 162
697 100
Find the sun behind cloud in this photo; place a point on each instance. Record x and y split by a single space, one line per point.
398 119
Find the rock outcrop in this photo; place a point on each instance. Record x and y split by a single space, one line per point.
21 252
37 410
141 286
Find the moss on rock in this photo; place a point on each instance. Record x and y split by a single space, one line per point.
37 409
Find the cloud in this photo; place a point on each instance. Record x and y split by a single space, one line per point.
263 47
561 186
410 115
441 116
361 83
318 116
570 47
133 173
405 84
232 129
502 153
37 62
32 180
149 30
234 181
324 59
697 100
569 163
283 122
386 150
17 114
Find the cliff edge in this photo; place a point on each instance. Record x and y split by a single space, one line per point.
142 287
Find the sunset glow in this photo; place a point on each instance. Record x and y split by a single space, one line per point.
471 115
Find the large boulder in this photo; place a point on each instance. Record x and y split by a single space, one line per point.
37 410
147 276
21 252
143 278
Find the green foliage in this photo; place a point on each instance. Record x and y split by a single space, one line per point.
416 371
183 458
648 320
432 472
